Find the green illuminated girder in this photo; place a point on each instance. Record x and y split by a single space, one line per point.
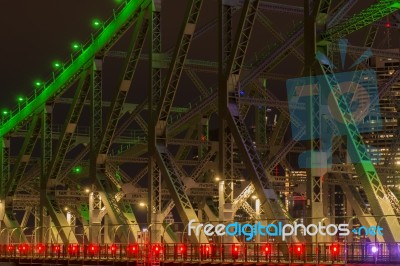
70 126
361 19
365 169
24 155
100 44
177 63
130 64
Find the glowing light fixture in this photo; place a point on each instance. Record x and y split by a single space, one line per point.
96 23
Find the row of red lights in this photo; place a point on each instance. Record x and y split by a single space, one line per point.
157 249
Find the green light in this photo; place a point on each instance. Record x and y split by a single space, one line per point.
96 23
5 112
77 169
21 99
38 83
56 64
76 46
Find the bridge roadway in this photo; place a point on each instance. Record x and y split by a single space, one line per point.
251 254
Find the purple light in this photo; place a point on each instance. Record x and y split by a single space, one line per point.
374 249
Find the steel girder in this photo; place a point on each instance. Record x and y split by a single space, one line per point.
365 17
131 62
24 155
69 127
376 194
154 203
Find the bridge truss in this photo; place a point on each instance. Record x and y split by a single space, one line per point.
195 126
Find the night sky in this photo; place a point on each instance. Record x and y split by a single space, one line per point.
35 33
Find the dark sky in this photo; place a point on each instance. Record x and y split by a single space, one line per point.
35 33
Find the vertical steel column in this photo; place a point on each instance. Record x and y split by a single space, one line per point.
5 174
94 216
155 203
315 197
225 136
95 135
46 153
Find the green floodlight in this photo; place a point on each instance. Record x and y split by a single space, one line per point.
5 112
77 169
20 99
75 46
38 83
96 23
56 64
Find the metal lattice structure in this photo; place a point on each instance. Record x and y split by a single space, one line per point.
201 131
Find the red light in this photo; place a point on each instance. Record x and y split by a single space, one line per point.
203 138
388 25
40 248
72 249
10 248
23 248
235 251
133 248
298 250
335 249
92 248
157 249
267 249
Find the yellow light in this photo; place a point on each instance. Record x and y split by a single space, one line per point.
142 204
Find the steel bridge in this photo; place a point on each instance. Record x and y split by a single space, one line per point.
142 130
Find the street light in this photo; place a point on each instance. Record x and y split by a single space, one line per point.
142 204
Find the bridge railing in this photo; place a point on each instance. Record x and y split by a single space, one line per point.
215 252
